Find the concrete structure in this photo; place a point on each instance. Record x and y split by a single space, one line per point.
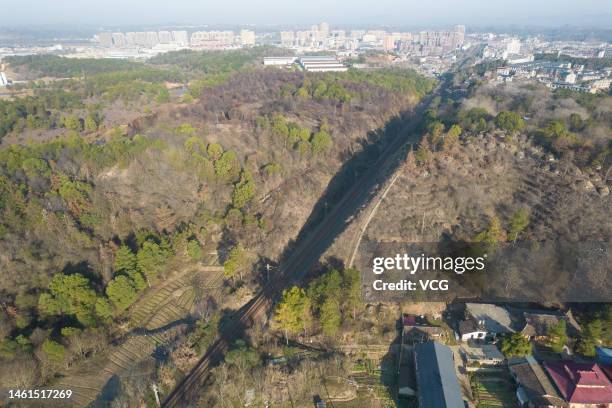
483 354
105 39
279 61
513 46
3 79
471 329
119 40
322 64
437 382
180 38
165 37
534 389
389 42
287 38
212 39
247 37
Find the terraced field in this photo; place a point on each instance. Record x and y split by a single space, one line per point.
152 321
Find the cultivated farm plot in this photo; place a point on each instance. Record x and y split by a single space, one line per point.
495 392
173 300
151 321
87 386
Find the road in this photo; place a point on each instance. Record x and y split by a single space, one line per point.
306 253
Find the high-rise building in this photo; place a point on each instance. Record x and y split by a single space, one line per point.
247 37
212 39
389 42
131 38
304 37
151 39
105 39
324 29
287 38
513 46
165 37
180 38
119 40
459 35
141 38
357 34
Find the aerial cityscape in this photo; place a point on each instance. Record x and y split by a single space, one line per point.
311 205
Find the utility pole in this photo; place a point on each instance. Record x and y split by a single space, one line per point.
268 268
155 391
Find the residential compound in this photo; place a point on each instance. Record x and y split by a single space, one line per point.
176 39
439 371
146 39
423 43
555 64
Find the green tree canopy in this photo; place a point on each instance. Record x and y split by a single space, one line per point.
121 292
515 345
125 260
243 357
152 260
518 223
54 351
214 150
557 336
320 142
236 262
493 235
70 295
244 190
194 249
590 338
509 121
292 314
330 317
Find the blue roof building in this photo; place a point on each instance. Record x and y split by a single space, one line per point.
437 382
604 355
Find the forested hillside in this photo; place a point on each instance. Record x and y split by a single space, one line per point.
100 210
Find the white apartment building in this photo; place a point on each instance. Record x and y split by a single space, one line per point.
105 39
212 39
165 37
119 40
287 38
180 38
513 46
247 37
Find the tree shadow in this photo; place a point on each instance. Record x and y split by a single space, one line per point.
85 269
351 188
397 370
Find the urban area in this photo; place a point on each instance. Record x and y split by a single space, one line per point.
529 58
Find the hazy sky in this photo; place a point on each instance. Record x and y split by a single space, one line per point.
260 12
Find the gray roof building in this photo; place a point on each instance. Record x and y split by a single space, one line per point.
534 387
437 382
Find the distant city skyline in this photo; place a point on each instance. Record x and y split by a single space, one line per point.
596 13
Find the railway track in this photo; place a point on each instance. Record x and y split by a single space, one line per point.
305 255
